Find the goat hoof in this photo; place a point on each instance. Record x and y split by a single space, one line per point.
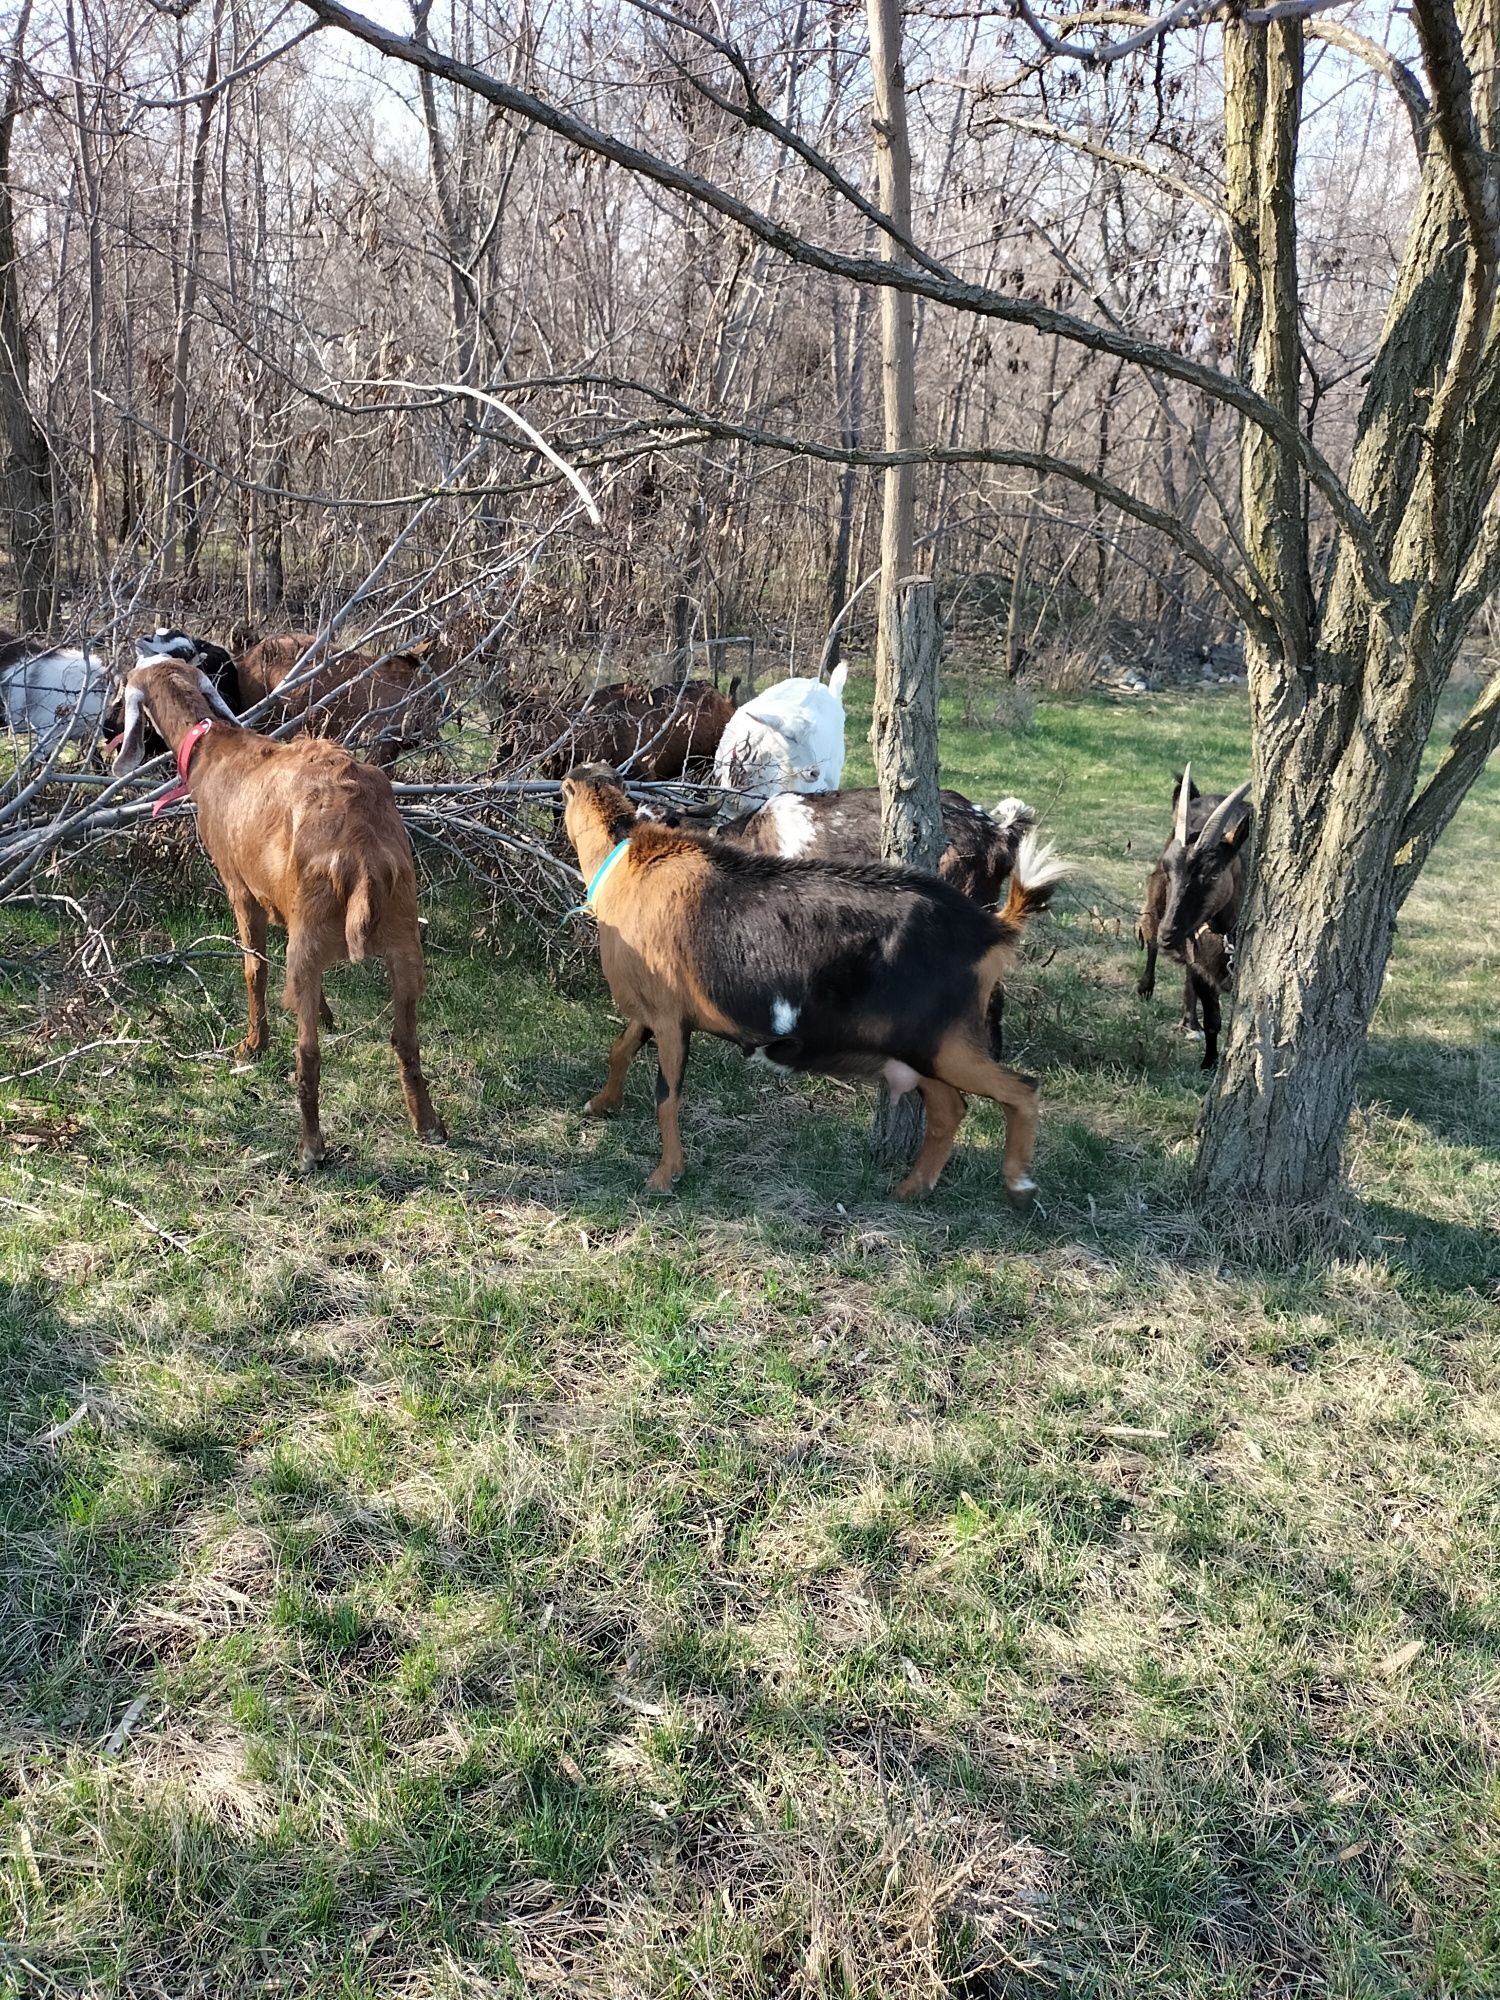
248 1051
1022 1192
435 1134
911 1189
1209 1062
600 1107
308 1160
660 1182
1144 991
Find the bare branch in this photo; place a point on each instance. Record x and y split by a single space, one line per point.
1039 128
1402 79
941 289
1187 14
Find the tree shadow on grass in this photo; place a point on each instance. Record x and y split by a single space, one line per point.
1450 1089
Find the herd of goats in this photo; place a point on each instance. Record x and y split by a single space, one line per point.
768 920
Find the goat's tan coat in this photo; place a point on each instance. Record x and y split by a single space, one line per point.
303 835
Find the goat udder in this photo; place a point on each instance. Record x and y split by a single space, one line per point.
899 1077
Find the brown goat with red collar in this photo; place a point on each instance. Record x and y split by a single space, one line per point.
852 969
304 835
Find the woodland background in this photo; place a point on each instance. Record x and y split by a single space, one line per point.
246 257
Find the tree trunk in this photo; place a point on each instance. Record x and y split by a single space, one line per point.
27 459
904 734
903 729
849 386
180 538
85 131
1343 694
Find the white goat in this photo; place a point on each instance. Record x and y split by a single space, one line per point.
790 738
51 691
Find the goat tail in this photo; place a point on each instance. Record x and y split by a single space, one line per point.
836 681
361 915
1037 874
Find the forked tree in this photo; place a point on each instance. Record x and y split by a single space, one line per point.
1349 650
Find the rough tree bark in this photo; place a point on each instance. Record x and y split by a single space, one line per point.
27 459
903 728
173 535
1344 686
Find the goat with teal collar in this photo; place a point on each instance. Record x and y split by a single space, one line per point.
855 970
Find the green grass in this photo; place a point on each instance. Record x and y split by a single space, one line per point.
531 1587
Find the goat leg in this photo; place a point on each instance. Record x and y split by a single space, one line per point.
250 922
671 1061
975 1074
1211 1020
623 1051
406 985
1190 991
944 1107
304 982
1146 985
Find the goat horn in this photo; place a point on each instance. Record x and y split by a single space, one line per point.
1184 796
1222 814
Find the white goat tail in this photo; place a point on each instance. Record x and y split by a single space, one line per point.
1038 871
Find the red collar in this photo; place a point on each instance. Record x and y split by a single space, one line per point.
185 751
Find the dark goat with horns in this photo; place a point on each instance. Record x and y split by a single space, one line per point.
1193 901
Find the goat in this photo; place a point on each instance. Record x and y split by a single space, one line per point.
1193 902
51 692
845 826
855 970
386 706
655 733
788 738
303 835
166 643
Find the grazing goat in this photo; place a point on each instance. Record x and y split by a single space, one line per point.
654 733
1193 902
302 835
844 969
789 738
166 643
50 692
845 826
383 708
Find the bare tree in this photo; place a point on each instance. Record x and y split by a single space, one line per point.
28 462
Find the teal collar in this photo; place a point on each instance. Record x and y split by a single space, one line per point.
602 870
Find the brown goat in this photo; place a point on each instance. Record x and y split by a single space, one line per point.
384 710
304 835
854 970
654 733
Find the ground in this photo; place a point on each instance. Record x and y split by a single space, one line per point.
460 1573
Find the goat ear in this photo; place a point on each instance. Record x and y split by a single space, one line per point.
214 699
133 739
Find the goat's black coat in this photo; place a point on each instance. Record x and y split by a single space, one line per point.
877 961
845 826
167 642
1192 907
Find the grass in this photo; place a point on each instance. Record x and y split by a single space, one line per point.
468 1576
